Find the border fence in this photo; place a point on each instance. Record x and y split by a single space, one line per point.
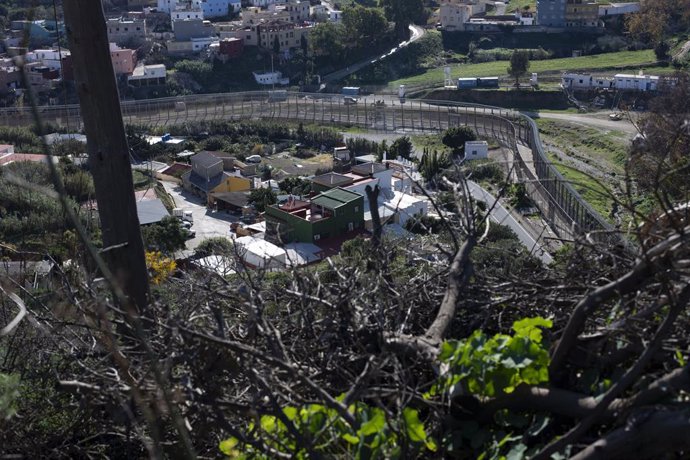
561 205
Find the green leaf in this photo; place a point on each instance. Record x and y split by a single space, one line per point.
415 429
529 327
290 412
375 424
268 423
228 447
350 438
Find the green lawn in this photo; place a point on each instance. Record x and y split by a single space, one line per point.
591 190
609 61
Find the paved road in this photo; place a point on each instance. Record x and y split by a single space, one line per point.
416 33
502 216
207 224
596 120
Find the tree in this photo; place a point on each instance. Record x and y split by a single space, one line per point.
109 160
304 44
661 50
364 26
403 13
519 65
166 236
432 163
262 197
295 185
214 246
401 147
456 137
276 45
326 39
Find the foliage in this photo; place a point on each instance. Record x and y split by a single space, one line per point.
377 435
491 366
424 225
199 70
214 246
364 26
518 196
403 13
661 50
295 185
326 39
262 197
519 65
456 137
9 392
166 236
432 163
160 267
658 19
401 147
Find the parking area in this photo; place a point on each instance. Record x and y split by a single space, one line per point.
207 224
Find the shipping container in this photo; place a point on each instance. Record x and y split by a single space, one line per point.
487 82
464 83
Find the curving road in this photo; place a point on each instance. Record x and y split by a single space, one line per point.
416 33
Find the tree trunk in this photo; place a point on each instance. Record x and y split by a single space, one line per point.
107 147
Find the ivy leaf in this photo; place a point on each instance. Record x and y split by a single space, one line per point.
374 425
529 327
350 438
415 429
228 447
268 423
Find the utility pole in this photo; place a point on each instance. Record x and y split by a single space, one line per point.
109 160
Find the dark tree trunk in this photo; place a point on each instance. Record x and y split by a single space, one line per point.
107 146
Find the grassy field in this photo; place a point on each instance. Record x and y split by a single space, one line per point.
590 188
609 61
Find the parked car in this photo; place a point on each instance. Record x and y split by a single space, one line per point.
253 159
349 100
615 116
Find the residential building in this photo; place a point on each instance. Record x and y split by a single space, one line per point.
182 14
51 58
617 9
124 60
262 3
122 30
298 11
40 33
288 35
335 16
231 48
209 175
581 13
41 78
186 29
10 76
148 75
330 214
192 46
271 78
253 16
551 13
319 12
454 16
218 8
166 6
140 3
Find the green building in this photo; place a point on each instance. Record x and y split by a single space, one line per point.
331 214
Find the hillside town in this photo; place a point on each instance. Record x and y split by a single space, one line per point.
344 229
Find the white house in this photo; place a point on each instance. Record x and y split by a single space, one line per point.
616 9
270 78
217 8
258 253
49 57
186 14
145 75
453 16
476 150
166 6
335 16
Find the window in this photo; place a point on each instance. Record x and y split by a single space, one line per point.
356 208
350 226
317 237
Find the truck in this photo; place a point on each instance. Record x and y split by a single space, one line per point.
180 106
183 215
401 93
350 91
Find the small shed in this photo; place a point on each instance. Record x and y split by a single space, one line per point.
476 150
151 211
